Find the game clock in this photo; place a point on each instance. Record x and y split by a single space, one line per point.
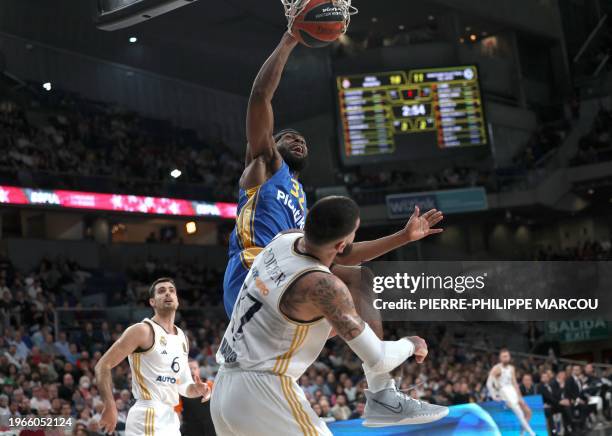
410 114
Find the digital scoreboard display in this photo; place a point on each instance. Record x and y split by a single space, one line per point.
410 114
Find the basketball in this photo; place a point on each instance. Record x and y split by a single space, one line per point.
320 23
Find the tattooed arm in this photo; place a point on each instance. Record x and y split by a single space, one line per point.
318 295
331 296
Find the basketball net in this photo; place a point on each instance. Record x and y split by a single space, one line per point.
293 8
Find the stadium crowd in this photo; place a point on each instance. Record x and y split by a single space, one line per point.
44 372
62 139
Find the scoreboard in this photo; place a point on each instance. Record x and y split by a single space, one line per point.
410 114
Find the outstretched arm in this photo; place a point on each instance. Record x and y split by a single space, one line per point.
138 335
417 227
260 117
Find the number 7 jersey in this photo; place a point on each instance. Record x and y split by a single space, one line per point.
259 336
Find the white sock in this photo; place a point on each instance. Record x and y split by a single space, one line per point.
377 382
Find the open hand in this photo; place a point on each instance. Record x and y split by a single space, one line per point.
108 419
202 388
421 226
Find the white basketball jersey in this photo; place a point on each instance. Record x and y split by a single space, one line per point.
260 337
506 376
157 372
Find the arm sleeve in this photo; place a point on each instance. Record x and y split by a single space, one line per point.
380 356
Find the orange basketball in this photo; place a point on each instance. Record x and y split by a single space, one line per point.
319 24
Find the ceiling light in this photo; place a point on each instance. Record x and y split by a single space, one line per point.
431 18
374 20
191 227
401 27
176 173
47 86
133 39
473 37
591 191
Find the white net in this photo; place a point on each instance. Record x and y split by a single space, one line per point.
293 8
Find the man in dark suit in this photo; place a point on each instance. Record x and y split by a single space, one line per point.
573 386
552 394
574 392
527 387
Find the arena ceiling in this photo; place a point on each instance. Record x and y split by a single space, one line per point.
220 44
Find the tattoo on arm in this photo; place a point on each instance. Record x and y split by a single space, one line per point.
334 300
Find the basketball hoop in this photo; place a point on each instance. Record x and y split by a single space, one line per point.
293 8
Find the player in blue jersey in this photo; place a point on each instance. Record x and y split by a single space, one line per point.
271 198
272 201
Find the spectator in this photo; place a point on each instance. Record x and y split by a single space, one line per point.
39 401
62 345
66 391
341 411
527 387
4 406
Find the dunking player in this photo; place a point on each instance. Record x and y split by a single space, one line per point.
503 386
272 200
285 312
157 352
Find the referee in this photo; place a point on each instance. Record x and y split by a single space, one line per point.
196 415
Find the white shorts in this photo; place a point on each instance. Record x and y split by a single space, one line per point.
509 395
152 418
250 403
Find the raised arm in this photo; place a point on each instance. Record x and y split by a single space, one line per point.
417 227
137 336
260 117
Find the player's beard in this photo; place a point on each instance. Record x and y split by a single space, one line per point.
165 310
295 164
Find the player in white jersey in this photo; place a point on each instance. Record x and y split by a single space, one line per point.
285 312
502 386
157 351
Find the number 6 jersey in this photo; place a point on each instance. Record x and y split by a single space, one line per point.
260 337
158 371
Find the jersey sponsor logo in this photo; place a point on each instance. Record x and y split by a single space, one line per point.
163 341
263 289
288 202
166 379
272 268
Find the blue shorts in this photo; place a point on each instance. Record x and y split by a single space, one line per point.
235 273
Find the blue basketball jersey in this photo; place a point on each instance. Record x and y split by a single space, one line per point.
277 205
